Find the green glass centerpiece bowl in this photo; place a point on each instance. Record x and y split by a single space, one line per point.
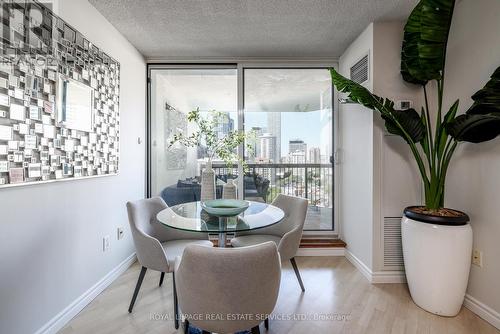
225 207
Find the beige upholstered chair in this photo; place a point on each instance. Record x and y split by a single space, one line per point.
232 289
286 234
157 246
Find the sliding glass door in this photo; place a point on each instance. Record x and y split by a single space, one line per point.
290 112
174 170
287 113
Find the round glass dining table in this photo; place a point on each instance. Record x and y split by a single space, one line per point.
191 217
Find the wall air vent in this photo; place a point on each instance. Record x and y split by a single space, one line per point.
393 251
359 71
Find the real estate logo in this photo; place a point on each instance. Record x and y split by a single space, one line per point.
32 34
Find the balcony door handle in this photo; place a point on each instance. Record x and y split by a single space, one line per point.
336 158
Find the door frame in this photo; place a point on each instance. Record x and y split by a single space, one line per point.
240 66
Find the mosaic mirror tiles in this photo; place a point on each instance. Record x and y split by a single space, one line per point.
59 99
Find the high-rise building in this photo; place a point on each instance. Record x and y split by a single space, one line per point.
297 145
254 143
258 130
267 147
315 155
224 125
274 128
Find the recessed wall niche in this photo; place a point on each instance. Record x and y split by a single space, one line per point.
59 99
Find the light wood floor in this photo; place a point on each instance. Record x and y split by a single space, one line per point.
333 287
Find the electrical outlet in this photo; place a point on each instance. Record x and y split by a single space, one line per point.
477 258
119 233
105 243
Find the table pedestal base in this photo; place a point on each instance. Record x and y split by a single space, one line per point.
222 235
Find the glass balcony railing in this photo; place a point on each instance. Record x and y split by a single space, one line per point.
264 181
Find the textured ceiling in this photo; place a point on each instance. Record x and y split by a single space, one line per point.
246 28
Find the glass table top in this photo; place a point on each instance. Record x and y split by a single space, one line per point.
191 217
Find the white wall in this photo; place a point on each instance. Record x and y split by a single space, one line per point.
355 142
376 169
474 177
51 239
396 179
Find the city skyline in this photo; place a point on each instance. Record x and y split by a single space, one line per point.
279 134
306 126
289 126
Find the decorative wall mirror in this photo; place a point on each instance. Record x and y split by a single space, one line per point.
59 100
75 102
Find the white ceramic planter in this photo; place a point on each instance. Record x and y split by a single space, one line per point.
207 183
229 190
437 262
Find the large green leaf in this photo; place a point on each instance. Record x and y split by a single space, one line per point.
482 121
359 94
410 121
487 100
475 128
425 39
401 123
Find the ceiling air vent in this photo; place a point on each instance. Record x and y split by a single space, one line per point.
359 71
393 252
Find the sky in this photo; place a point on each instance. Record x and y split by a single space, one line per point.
294 125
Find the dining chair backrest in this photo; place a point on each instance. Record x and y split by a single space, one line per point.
148 233
291 227
231 288
145 232
295 209
142 216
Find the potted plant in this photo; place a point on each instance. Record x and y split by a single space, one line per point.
223 147
437 241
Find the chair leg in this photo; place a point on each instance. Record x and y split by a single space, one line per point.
297 273
176 305
137 287
266 324
186 326
161 278
255 330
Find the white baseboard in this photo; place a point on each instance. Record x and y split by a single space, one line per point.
482 310
363 268
332 251
388 277
377 276
62 318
